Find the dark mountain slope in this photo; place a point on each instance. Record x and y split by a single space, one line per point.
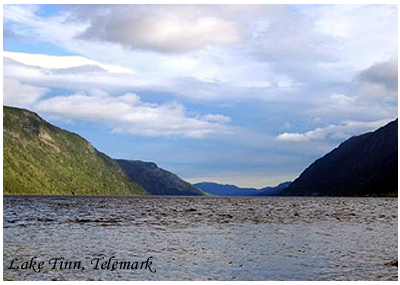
155 180
41 159
274 190
365 165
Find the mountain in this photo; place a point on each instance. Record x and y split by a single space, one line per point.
224 189
41 159
275 190
232 190
155 180
365 165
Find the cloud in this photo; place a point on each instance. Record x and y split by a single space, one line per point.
21 95
286 52
362 34
124 113
216 118
370 95
18 13
384 73
176 29
74 73
128 114
336 132
379 82
61 62
295 137
192 77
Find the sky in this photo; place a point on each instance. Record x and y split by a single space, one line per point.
240 94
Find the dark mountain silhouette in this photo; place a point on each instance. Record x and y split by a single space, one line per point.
364 165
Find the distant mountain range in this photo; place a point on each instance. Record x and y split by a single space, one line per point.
364 165
232 190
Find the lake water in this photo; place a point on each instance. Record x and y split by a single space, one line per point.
201 238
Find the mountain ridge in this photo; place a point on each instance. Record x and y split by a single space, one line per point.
233 190
363 165
155 180
42 159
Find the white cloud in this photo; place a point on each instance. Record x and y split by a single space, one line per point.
128 114
295 137
77 73
194 77
17 13
336 132
285 49
21 95
216 118
61 62
178 28
363 34
24 21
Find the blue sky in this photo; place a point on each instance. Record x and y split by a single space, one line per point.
248 95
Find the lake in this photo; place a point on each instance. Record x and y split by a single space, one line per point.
199 238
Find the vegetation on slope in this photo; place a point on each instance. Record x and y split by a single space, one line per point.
41 159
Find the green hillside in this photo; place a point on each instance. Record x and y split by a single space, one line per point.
41 159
